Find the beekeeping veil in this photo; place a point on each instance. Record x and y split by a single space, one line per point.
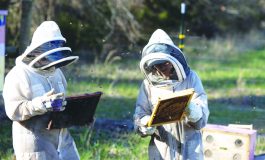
161 49
46 49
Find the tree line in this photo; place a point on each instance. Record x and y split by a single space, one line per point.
99 28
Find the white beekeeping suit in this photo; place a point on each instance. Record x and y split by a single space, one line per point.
180 140
30 87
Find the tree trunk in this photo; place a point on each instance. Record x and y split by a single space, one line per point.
25 24
50 10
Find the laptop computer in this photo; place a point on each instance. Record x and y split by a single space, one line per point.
79 111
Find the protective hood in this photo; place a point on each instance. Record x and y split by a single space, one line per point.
161 49
46 49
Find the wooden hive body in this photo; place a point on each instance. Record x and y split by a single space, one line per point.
228 143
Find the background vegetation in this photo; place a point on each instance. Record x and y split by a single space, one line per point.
224 42
99 29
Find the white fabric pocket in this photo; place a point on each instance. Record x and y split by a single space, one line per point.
37 90
32 155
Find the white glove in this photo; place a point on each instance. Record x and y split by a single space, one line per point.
49 102
144 129
144 120
194 112
54 102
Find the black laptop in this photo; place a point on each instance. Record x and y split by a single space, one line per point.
79 111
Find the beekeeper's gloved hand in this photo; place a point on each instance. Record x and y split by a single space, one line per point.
144 129
193 112
49 102
54 102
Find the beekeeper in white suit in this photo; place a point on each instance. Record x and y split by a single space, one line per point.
30 88
167 71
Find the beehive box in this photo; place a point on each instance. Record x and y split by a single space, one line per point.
228 143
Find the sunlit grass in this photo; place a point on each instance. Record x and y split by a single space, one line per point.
234 84
224 81
260 147
110 145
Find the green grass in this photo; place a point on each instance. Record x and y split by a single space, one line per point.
109 145
234 84
235 88
229 114
6 150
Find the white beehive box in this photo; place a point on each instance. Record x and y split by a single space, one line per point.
228 143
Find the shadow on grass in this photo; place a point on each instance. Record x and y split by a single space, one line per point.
6 137
232 82
250 101
116 108
238 110
113 134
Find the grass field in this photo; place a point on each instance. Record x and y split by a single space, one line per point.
235 87
234 84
